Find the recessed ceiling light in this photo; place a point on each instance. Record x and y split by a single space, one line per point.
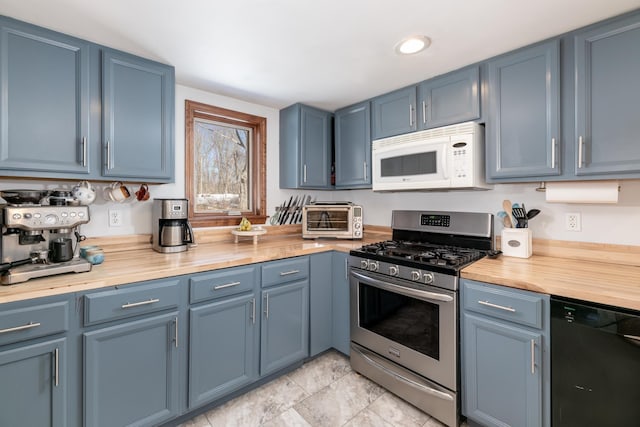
413 44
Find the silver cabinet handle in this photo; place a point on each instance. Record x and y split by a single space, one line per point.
226 285
108 155
253 311
405 380
56 357
138 304
424 112
501 307
266 306
364 165
287 273
84 151
20 328
410 115
580 152
533 356
553 153
304 173
175 325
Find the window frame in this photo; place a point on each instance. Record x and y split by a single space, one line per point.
258 156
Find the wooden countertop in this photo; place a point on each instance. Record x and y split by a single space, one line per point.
131 259
585 276
569 269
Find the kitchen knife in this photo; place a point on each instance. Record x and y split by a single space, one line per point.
284 211
296 206
289 210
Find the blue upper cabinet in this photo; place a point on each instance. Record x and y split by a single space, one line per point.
394 113
305 147
449 99
353 146
523 127
44 102
607 68
137 117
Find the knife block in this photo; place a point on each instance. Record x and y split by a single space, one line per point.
517 242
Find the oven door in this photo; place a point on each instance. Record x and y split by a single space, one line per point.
410 324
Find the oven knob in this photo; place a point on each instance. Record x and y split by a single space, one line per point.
428 278
393 270
364 264
374 266
415 275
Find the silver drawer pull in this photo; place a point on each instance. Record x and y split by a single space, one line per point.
138 304
287 273
501 307
533 356
20 328
226 285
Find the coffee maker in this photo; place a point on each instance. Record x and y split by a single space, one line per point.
170 228
40 240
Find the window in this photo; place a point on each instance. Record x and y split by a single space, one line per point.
225 167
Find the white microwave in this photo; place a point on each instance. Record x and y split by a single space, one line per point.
446 158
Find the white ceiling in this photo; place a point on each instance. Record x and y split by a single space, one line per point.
325 53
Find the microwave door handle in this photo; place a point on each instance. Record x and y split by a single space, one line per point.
402 290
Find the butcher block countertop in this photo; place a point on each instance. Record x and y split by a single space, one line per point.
607 274
130 259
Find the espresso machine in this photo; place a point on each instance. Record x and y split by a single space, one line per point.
41 240
170 228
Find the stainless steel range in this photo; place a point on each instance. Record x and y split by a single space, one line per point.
404 305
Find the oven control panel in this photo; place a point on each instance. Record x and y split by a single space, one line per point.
435 220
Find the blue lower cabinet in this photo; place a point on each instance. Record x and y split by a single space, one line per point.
341 334
320 295
223 342
284 337
33 384
131 372
503 384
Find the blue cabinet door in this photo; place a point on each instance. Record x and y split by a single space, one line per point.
44 102
353 146
502 374
285 326
320 296
222 345
607 66
305 147
137 117
340 306
449 99
523 126
394 113
131 372
33 385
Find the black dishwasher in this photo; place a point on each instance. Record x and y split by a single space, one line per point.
595 365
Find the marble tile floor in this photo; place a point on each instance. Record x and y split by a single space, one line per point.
324 392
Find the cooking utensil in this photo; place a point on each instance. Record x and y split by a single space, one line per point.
504 217
506 205
521 217
285 214
19 197
532 213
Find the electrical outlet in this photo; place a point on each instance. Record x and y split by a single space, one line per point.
573 222
115 218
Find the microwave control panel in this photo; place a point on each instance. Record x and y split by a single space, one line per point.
462 163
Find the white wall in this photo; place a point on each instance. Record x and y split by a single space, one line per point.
600 223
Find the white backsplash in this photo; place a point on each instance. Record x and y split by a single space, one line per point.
600 223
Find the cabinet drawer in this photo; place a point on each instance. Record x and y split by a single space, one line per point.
131 301
221 283
284 271
503 303
31 322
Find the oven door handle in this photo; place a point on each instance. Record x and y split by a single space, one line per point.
410 292
405 380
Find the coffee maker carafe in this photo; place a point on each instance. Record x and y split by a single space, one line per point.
170 228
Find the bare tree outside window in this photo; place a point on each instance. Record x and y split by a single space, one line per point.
225 155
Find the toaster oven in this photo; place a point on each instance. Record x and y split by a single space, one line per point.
336 220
